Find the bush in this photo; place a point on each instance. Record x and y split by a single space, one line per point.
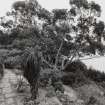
49 77
95 75
31 69
1 68
69 78
75 66
77 73
45 77
74 74
12 62
92 101
75 79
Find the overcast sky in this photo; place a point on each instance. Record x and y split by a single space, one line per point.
5 5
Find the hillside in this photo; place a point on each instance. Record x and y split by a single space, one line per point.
92 93
73 86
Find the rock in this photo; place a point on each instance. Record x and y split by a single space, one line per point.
51 101
80 102
50 92
71 97
70 93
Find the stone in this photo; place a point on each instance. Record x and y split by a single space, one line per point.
80 102
2 103
19 100
51 101
0 91
10 101
9 95
1 98
7 90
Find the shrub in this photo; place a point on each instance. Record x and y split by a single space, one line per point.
74 74
58 86
75 79
51 78
1 67
69 78
31 69
95 75
12 62
92 101
74 66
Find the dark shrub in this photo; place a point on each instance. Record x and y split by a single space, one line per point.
74 66
45 77
31 69
69 78
95 75
12 62
74 79
77 73
49 77
1 67
92 101
74 74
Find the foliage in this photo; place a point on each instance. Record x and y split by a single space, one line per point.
95 75
12 62
79 3
77 74
50 92
1 67
29 101
74 74
76 30
31 69
75 66
75 79
51 78
92 101
21 85
4 39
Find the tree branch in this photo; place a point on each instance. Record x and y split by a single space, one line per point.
57 56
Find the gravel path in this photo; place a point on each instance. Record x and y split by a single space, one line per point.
8 92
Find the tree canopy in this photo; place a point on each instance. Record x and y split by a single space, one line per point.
62 34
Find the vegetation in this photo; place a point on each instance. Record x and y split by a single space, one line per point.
1 67
31 70
77 74
55 32
34 39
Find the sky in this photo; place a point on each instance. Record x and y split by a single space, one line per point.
5 5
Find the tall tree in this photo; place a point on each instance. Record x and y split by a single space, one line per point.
61 33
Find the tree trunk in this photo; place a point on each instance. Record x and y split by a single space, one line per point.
57 56
34 88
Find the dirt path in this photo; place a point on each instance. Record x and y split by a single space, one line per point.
8 93
10 96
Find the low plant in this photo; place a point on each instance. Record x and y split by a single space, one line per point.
1 68
31 69
93 101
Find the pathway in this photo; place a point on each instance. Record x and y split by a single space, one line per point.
8 93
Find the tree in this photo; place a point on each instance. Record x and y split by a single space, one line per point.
25 12
89 29
74 31
31 68
61 34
